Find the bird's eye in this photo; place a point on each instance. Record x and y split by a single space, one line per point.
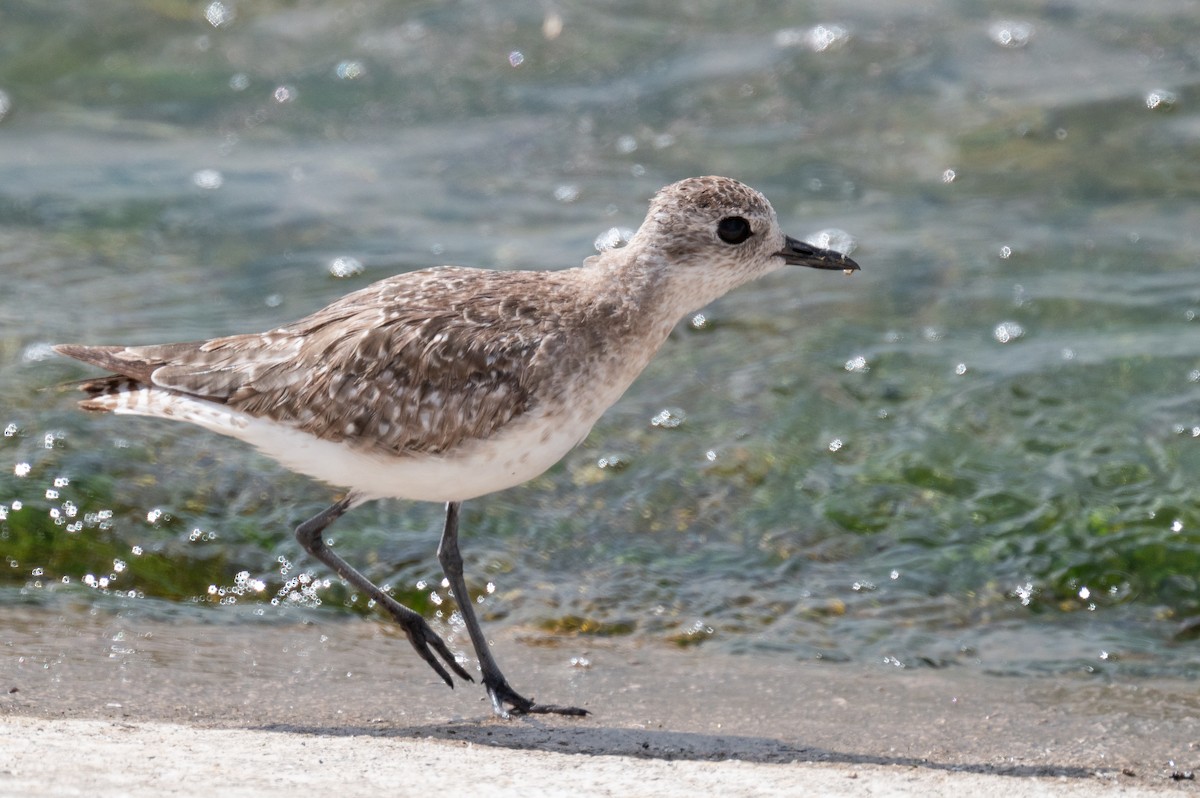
733 230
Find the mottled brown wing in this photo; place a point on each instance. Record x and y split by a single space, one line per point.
416 363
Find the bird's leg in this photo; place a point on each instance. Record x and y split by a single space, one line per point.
420 635
497 686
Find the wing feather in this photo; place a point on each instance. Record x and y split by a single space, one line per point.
415 363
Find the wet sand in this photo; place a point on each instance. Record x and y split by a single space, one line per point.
98 703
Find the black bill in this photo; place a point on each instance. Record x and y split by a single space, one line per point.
799 253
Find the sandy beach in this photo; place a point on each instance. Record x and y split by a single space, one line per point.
97 703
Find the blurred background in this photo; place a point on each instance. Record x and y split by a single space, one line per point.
983 450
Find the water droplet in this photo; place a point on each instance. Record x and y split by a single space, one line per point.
208 179
566 193
819 38
1161 100
218 14
284 94
21 470
612 238
349 70
239 82
345 266
857 363
668 418
1008 331
833 238
612 462
37 352
1013 34
827 37
516 58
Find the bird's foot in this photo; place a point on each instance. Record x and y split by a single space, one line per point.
507 702
426 641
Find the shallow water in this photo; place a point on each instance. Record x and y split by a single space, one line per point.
982 449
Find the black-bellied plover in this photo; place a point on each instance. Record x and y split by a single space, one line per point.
446 384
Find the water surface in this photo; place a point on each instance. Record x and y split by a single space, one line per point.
981 450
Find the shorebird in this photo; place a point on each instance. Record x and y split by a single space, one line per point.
449 383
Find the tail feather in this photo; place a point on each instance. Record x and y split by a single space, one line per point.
131 373
101 390
121 360
201 369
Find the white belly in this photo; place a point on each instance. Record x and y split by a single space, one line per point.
520 453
